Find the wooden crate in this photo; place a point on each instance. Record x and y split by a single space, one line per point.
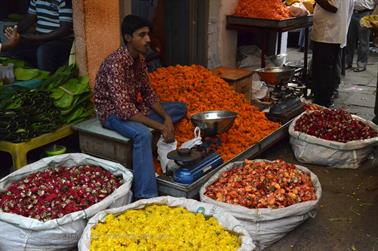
107 144
239 79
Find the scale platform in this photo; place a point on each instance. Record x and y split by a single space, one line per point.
285 110
189 174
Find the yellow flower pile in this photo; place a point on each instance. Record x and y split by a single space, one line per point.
160 227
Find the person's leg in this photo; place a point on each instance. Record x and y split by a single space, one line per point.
324 72
177 110
375 120
363 46
352 40
338 75
53 54
144 183
301 40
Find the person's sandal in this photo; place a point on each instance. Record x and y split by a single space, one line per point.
359 69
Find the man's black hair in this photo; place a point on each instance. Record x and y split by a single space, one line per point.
131 23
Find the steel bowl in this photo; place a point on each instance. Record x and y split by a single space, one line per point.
275 75
212 123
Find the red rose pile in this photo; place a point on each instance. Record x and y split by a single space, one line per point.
334 124
55 192
262 184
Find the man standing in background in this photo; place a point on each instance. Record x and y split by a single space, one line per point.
329 33
358 36
48 46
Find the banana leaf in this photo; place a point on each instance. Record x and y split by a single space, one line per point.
80 100
17 62
66 95
64 102
87 113
57 93
74 115
62 75
42 75
23 74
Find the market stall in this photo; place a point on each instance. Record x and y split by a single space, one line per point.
267 25
273 16
37 108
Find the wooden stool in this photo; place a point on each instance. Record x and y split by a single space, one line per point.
107 144
19 151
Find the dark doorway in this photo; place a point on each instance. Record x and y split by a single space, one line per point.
180 29
186 31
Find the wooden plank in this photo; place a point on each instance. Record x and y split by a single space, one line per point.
231 74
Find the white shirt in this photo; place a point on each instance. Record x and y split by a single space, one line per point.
365 4
331 27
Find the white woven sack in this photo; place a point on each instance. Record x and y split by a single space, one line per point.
266 225
22 233
223 218
313 150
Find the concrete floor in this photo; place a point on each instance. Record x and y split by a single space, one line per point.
347 217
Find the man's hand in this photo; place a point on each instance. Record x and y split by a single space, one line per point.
13 38
168 130
298 10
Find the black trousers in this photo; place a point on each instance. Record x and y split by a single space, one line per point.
325 73
47 56
376 103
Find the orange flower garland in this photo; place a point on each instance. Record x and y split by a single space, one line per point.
268 9
202 91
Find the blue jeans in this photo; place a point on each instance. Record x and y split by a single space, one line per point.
144 185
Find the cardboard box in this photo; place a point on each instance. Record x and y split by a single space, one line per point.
239 79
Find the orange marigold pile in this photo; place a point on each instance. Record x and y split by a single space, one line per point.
202 91
268 9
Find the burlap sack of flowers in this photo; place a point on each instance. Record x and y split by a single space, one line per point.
340 144
257 200
108 186
165 223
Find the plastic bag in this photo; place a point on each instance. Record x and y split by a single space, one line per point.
163 149
197 140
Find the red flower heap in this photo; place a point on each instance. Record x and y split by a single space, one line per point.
58 191
263 184
335 125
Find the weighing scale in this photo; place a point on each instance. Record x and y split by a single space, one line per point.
285 96
194 163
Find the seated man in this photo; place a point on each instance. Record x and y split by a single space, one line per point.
126 103
49 46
